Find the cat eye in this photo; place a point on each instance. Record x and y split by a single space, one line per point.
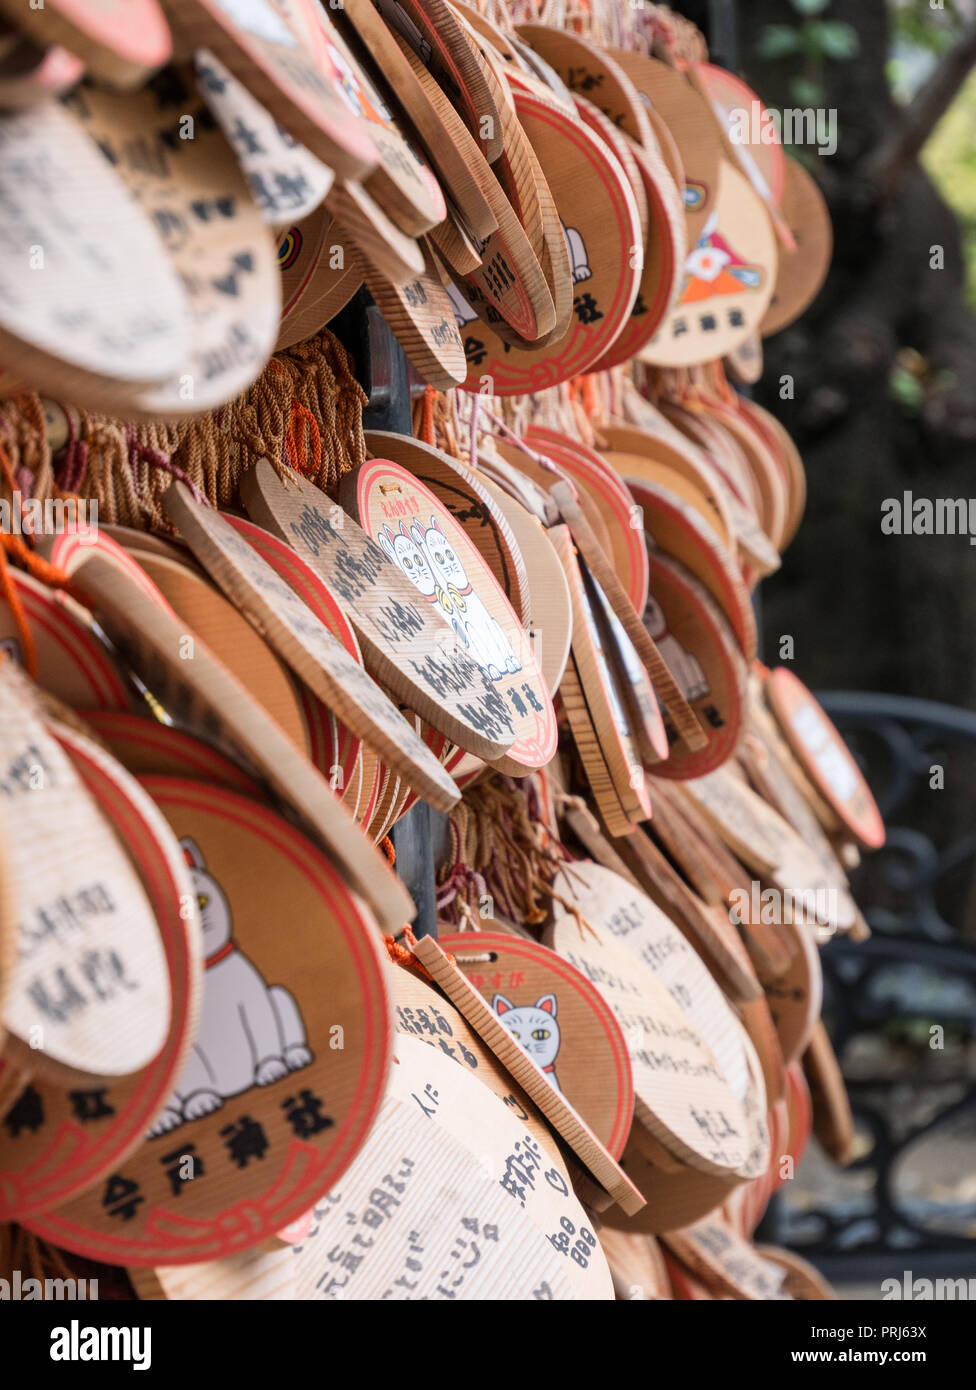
202 899
540 1034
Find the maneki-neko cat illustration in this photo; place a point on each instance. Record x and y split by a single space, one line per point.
250 1033
535 1027
433 566
714 268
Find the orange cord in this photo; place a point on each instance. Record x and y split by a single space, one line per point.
386 845
427 416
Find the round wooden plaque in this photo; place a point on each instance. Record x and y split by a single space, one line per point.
696 641
57 1140
682 1098
289 1065
406 644
602 226
729 276
119 41
72 662
307 644
560 1019
417 532
88 996
203 694
82 252
286 182
255 40
825 757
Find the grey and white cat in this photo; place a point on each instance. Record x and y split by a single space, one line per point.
535 1027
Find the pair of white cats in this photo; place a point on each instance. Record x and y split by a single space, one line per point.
432 565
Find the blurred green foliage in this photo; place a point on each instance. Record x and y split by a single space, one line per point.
950 161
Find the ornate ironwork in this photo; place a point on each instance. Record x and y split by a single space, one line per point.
901 1008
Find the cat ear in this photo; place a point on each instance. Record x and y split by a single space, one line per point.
501 1005
547 1003
192 853
416 534
385 538
433 523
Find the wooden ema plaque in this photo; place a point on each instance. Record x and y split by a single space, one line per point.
72 662
595 481
503 1149
209 616
469 502
406 644
706 925
88 996
679 531
634 685
290 1060
561 1020
320 274
802 272
144 745
620 910
824 757
82 253
508 287
600 725
286 183
57 1139
729 276
770 847
421 317
335 749
389 62
422 1012
595 1158
636 1265
418 533
663 260
725 1262
119 41
754 146
203 694
694 638
305 642
602 226
795 997
264 52
401 182
416 1217
193 191
671 98
669 688
682 1099
549 621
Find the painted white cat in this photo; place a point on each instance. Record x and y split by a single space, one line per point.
535 1027
401 547
685 668
250 1034
462 607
